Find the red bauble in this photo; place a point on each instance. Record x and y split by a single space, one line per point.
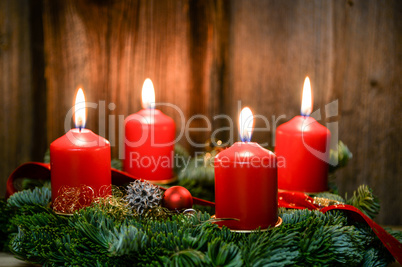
177 198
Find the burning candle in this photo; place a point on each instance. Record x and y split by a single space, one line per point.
80 157
246 187
303 145
149 143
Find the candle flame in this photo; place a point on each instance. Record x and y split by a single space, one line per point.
79 110
148 94
246 122
307 99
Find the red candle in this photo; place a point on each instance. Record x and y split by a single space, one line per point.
302 145
149 143
246 185
80 157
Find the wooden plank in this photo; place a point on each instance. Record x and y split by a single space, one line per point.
21 131
350 51
110 49
367 81
274 45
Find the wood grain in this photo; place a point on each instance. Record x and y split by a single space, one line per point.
367 81
23 112
351 51
204 57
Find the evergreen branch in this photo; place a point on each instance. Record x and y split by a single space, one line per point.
187 257
126 240
40 219
223 254
99 236
364 199
181 158
117 164
373 258
341 156
38 196
331 196
278 248
201 169
6 227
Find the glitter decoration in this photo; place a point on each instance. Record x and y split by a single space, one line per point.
110 200
142 195
105 191
71 199
325 202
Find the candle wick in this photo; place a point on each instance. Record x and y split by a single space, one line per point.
79 128
305 116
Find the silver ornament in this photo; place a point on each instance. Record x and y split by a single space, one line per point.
142 195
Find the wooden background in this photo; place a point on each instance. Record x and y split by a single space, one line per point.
204 57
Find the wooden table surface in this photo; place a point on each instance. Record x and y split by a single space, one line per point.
8 260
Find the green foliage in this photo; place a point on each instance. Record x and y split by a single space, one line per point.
331 196
181 158
364 200
372 258
117 164
273 248
127 239
223 254
339 158
95 237
396 234
324 237
197 175
46 157
201 169
38 196
6 228
28 183
105 234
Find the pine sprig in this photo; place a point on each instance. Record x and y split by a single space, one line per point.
373 258
127 239
223 254
339 158
38 196
182 157
187 257
364 199
6 227
331 196
275 248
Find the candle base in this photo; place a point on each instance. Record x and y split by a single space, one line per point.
277 224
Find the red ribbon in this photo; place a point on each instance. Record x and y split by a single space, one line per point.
292 200
299 200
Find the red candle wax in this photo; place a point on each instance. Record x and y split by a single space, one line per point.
302 150
80 157
246 186
149 145
301 147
